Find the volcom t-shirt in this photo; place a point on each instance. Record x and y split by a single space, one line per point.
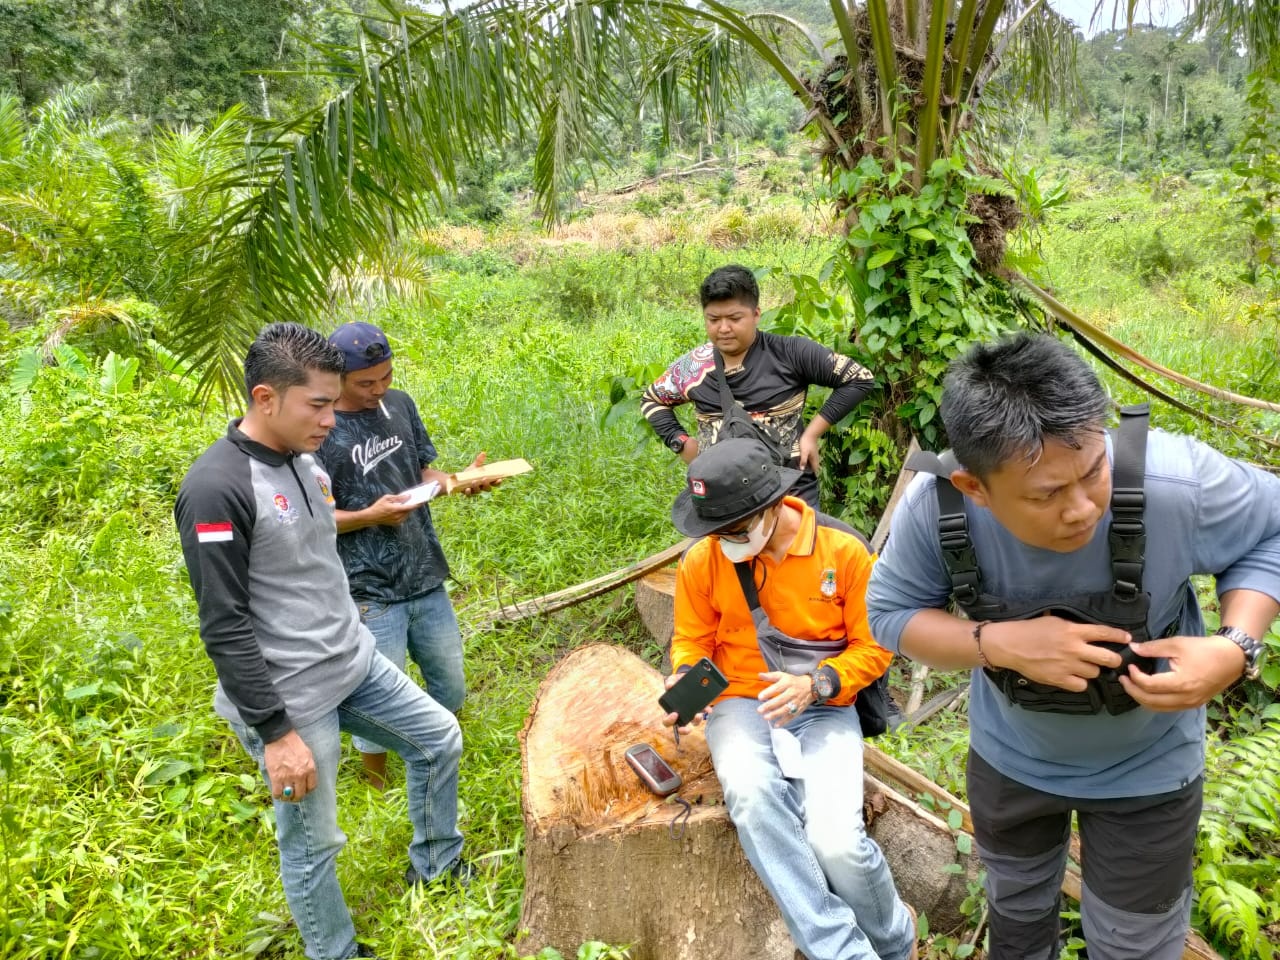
369 454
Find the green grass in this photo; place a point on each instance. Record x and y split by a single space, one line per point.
131 823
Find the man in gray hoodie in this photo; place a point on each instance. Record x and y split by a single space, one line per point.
295 665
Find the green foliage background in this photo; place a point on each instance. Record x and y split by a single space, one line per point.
130 822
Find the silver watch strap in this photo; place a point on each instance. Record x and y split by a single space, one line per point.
1251 646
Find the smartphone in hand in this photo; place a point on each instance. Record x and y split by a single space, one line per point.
654 772
693 692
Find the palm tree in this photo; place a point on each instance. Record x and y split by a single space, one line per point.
1170 50
1154 82
1126 79
1187 69
427 91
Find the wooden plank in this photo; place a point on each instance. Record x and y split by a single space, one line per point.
899 488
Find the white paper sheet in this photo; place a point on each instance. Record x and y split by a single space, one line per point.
786 748
422 492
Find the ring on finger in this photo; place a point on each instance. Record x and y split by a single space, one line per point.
792 709
287 793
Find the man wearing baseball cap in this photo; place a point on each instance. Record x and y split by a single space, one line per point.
379 448
785 738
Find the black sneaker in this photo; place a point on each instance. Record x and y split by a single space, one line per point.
365 951
461 872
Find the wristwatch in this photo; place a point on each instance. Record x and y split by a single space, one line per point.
1252 649
677 443
824 686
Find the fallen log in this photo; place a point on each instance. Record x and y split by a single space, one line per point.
881 533
601 862
568 597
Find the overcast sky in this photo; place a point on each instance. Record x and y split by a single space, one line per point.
1162 13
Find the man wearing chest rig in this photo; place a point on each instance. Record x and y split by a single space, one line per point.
1068 548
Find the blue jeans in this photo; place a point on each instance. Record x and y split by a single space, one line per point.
805 837
389 707
427 629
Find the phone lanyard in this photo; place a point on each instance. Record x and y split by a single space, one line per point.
681 818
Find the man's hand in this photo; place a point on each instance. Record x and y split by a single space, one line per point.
670 719
389 510
1052 650
810 458
478 486
1199 669
785 698
690 450
290 764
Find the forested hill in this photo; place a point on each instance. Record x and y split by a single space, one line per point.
166 59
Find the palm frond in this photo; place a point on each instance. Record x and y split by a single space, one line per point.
93 312
13 127
1039 50
1254 23
391 275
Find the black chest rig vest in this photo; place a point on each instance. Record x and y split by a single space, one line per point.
1124 606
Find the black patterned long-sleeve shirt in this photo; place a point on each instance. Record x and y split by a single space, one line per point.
771 385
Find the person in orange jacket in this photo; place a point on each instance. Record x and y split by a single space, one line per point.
785 739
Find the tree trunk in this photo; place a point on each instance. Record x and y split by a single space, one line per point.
600 860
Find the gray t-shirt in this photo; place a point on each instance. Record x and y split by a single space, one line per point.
1205 514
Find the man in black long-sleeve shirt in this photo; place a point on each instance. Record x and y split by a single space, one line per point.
768 375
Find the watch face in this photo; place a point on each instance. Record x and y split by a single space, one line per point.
822 684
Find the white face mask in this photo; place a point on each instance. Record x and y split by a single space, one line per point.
755 542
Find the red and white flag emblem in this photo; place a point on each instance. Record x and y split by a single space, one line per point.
213 532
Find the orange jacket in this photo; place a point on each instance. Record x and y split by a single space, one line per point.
713 619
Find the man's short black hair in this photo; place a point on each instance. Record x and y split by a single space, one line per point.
732 282
1002 401
284 354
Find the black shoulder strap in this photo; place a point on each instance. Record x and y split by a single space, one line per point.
1127 536
953 527
748 581
726 395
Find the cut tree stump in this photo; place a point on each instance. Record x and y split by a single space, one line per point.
600 860
655 602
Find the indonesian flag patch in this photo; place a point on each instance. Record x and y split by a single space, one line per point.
213 532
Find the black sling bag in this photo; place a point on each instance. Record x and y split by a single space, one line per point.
736 423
